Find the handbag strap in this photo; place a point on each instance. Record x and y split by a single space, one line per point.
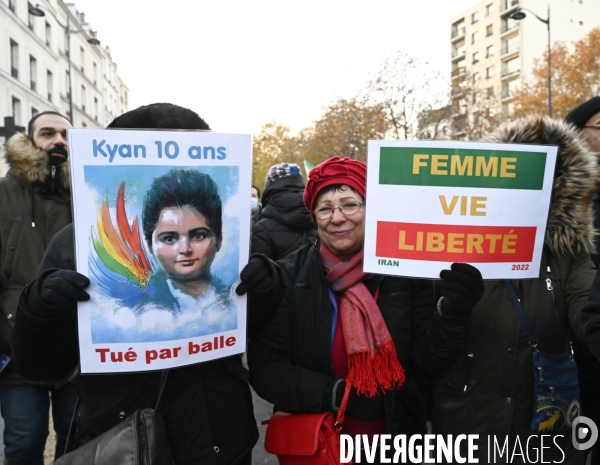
521 313
71 435
339 419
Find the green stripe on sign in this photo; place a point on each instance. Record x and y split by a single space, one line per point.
494 169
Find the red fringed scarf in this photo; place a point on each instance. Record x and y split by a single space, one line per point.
372 359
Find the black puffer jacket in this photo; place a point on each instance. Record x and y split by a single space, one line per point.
286 224
290 361
207 408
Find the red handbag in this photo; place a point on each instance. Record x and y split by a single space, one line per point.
306 438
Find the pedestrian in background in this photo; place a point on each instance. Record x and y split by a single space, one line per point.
35 203
255 206
286 223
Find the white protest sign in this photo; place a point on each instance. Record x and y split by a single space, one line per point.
162 225
434 203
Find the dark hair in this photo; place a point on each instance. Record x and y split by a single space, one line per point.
177 188
32 120
257 190
159 116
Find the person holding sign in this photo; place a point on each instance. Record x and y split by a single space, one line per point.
206 407
494 389
337 325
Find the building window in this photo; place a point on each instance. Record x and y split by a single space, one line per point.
67 84
49 84
83 125
475 98
32 72
509 24
475 38
82 58
14 59
30 17
489 72
48 34
476 57
12 5
83 98
34 111
511 45
490 93
458 28
475 78
489 51
489 30
96 108
95 68
475 17
489 10
16 110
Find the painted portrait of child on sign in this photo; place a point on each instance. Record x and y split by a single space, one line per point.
160 238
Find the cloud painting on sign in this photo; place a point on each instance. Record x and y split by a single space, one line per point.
163 253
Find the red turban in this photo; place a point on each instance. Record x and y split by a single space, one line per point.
335 170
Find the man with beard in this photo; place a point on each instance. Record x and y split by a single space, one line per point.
35 203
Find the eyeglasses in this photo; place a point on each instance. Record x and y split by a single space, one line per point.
350 208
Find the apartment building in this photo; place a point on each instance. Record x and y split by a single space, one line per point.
34 67
496 53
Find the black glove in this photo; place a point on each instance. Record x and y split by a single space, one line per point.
62 288
359 406
462 287
260 277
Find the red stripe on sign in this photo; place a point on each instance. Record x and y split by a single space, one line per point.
452 243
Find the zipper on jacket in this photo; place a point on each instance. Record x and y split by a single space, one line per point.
53 176
541 370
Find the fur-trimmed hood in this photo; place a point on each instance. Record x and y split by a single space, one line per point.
570 228
32 163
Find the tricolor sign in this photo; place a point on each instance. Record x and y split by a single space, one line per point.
430 204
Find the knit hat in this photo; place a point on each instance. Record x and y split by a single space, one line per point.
581 114
282 170
335 170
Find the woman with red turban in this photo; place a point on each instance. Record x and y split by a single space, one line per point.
336 325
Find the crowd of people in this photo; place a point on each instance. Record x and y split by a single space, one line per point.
401 351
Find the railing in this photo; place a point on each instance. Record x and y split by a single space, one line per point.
505 93
457 71
508 4
509 26
457 32
511 48
14 72
510 70
457 53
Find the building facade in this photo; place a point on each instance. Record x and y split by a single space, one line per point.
34 67
495 54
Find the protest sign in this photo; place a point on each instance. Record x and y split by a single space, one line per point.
434 203
162 225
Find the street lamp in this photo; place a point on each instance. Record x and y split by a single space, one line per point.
518 15
38 10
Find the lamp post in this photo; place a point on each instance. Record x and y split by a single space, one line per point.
38 10
518 15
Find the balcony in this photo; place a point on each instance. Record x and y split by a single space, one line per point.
510 70
508 4
457 54
509 26
14 72
458 71
457 33
510 48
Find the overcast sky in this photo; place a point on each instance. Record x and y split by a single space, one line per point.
242 63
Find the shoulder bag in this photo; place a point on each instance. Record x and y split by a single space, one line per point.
140 439
306 438
556 400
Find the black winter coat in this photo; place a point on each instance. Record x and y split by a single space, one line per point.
286 223
207 408
290 361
